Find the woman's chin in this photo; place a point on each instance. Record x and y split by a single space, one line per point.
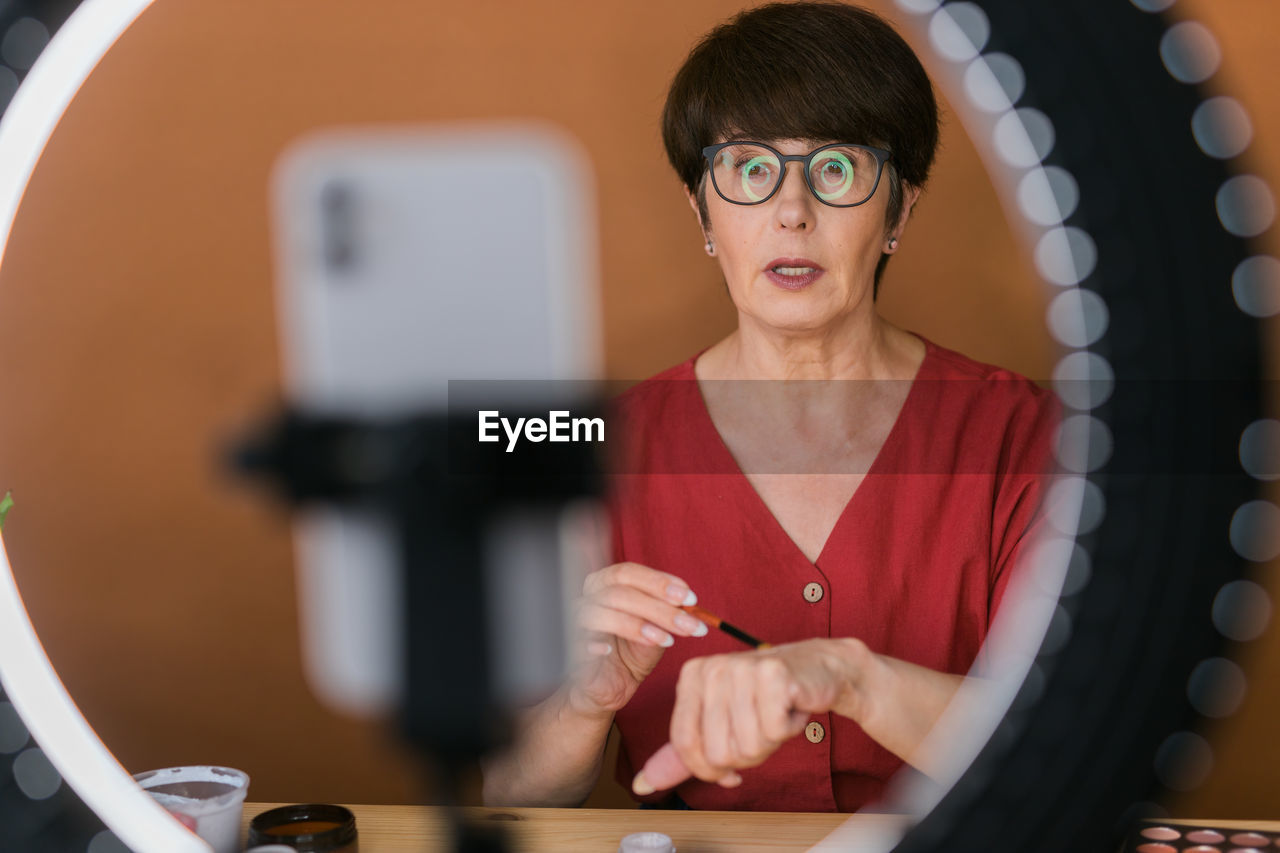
809 310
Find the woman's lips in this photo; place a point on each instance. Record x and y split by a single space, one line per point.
793 273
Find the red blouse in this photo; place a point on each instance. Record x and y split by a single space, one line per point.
915 565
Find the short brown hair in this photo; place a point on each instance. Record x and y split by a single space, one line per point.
821 71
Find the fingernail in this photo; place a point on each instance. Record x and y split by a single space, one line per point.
733 780
599 649
641 786
687 623
657 635
681 595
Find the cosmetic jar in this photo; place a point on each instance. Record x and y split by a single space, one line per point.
307 828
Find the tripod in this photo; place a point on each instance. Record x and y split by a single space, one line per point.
446 496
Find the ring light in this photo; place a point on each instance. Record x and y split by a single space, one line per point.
1084 118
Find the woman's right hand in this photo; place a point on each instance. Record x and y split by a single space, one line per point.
627 616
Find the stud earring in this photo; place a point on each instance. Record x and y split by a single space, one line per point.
710 248
893 244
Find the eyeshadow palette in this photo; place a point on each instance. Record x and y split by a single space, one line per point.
1173 838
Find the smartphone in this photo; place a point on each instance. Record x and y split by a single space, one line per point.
406 258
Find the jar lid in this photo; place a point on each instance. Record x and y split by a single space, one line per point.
312 827
646 842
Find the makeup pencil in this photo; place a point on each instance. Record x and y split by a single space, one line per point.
716 622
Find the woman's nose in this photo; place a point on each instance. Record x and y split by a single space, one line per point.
794 201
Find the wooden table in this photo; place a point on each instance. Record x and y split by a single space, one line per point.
423 829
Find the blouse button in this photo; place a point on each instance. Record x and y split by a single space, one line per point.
813 592
815 732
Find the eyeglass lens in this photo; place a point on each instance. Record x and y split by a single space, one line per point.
748 173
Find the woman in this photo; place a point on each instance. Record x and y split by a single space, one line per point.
861 511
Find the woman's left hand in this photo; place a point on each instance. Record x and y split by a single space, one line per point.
733 711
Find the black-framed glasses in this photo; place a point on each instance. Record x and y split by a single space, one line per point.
841 174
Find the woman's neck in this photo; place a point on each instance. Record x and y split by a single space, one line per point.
873 349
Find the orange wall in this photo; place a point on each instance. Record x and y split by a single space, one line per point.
1246 770
137 333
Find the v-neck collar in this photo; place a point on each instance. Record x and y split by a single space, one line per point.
727 464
